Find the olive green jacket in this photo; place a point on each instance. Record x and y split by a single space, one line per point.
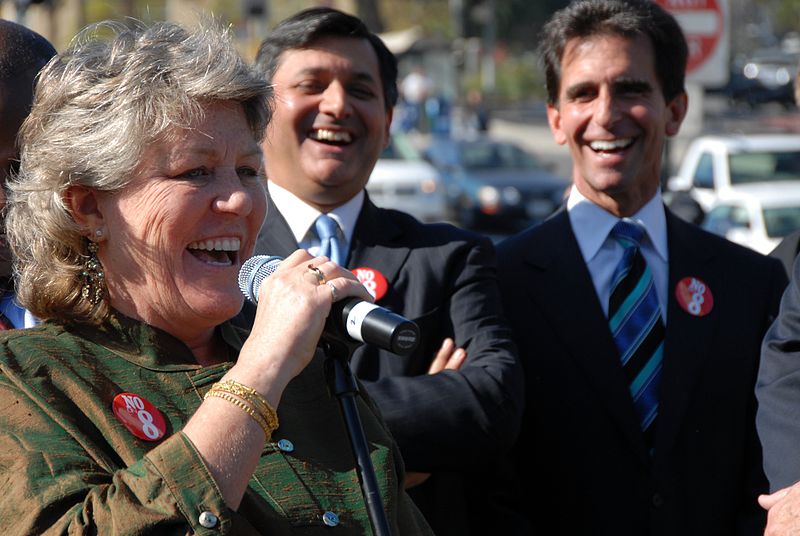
67 465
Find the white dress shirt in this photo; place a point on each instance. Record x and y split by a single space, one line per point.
601 252
301 217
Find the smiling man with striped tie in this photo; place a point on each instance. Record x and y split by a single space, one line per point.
639 332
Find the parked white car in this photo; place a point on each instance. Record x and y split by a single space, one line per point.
403 180
716 164
756 215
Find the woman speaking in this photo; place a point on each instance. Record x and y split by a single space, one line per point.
136 407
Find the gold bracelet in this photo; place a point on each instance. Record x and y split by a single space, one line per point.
251 396
246 407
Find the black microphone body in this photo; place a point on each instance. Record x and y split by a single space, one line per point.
353 318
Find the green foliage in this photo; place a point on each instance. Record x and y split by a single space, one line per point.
787 16
432 16
150 10
519 78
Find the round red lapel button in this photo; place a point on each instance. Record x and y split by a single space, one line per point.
373 280
694 296
139 416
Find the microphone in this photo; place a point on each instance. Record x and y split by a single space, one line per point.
356 319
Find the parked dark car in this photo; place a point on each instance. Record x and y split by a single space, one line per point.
766 76
495 185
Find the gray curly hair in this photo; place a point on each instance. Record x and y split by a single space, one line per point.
117 90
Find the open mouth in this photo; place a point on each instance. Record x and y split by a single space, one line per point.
331 137
611 146
216 251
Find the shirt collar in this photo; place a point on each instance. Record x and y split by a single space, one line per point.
301 216
591 224
150 347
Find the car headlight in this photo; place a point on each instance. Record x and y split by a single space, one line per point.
511 196
782 76
428 186
488 195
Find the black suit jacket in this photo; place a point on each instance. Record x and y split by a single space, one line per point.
454 424
580 447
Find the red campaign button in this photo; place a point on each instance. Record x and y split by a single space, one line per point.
373 280
694 296
139 416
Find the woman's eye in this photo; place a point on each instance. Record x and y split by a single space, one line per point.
196 173
247 172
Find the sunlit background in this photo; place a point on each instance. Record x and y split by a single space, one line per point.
480 55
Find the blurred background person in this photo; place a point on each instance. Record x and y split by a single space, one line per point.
477 114
640 332
415 89
454 404
136 407
22 54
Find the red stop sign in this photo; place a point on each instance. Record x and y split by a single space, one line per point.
703 24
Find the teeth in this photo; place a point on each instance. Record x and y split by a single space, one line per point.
219 244
331 135
610 145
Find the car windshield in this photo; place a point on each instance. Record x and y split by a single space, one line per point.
749 167
780 221
496 156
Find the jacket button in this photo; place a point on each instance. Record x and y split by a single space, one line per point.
657 500
208 520
330 519
285 445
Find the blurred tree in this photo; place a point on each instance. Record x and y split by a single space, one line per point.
518 21
432 16
786 15
369 12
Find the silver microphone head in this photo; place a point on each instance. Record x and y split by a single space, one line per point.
254 271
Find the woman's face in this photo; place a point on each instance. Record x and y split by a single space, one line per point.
175 237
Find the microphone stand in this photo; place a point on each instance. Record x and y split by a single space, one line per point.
338 349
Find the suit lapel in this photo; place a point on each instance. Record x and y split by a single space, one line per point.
275 237
688 338
375 243
561 281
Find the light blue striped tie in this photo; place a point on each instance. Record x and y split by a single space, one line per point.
330 244
634 317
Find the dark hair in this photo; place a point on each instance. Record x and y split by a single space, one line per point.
22 51
627 18
303 28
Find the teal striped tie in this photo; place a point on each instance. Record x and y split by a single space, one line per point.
330 244
635 319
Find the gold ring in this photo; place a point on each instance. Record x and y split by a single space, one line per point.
316 272
334 295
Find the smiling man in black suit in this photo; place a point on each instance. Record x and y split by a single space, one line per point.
639 332
454 405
